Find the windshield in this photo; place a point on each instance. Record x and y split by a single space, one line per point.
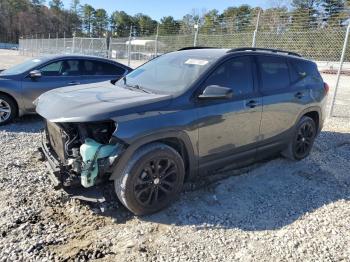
169 73
21 68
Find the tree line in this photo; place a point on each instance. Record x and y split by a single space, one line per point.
38 18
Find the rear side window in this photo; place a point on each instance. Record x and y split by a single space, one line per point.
102 68
300 69
236 74
274 73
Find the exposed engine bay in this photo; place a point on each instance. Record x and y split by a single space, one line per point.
83 153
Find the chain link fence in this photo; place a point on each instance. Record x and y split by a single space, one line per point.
74 45
319 38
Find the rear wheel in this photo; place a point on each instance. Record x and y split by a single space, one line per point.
8 109
152 179
303 139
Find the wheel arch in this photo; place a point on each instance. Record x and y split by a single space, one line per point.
178 140
13 99
315 113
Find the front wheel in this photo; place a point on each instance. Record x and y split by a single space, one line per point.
8 109
303 139
152 179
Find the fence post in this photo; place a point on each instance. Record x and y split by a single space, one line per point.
156 43
64 42
108 47
73 45
256 30
57 43
340 69
129 46
196 27
36 45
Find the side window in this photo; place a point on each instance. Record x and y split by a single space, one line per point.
62 68
101 68
274 73
52 69
300 70
236 74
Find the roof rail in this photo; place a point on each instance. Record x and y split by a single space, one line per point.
194 47
263 49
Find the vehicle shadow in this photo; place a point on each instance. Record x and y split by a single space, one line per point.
269 196
27 123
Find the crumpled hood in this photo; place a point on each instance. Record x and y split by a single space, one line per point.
94 102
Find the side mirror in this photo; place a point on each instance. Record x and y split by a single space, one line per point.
34 74
216 92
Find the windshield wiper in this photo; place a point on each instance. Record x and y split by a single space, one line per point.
138 87
141 88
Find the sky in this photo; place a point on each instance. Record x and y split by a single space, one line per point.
159 8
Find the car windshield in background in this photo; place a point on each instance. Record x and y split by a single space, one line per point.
169 73
21 68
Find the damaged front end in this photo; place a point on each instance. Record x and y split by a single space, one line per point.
80 153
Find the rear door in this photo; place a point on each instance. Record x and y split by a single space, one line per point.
98 71
229 128
283 99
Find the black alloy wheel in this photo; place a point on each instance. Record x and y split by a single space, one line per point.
151 180
156 181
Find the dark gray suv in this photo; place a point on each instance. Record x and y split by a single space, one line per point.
180 116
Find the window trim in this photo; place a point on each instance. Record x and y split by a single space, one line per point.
56 61
201 85
260 80
105 62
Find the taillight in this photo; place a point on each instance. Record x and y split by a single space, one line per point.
326 87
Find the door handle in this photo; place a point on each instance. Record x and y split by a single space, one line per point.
73 83
252 104
299 95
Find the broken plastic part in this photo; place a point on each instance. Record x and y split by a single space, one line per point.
91 151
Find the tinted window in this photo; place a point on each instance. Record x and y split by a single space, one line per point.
101 68
274 73
62 68
236 74
300 69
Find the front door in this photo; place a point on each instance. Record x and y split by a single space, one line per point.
229 128
53 75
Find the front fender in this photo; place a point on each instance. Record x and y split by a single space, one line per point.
161 135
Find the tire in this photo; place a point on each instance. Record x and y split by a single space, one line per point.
8 104
302 141
144 189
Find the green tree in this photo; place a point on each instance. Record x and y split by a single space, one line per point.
88 13
211 22
121 23
56 5
238 19
334 11
144 24
168 26
304 14
100 22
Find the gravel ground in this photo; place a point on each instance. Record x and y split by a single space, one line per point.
276 210
271 211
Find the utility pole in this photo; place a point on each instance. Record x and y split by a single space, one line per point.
340 69
129 45
156 43
196 27
256 29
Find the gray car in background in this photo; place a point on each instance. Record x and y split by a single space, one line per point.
23 83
